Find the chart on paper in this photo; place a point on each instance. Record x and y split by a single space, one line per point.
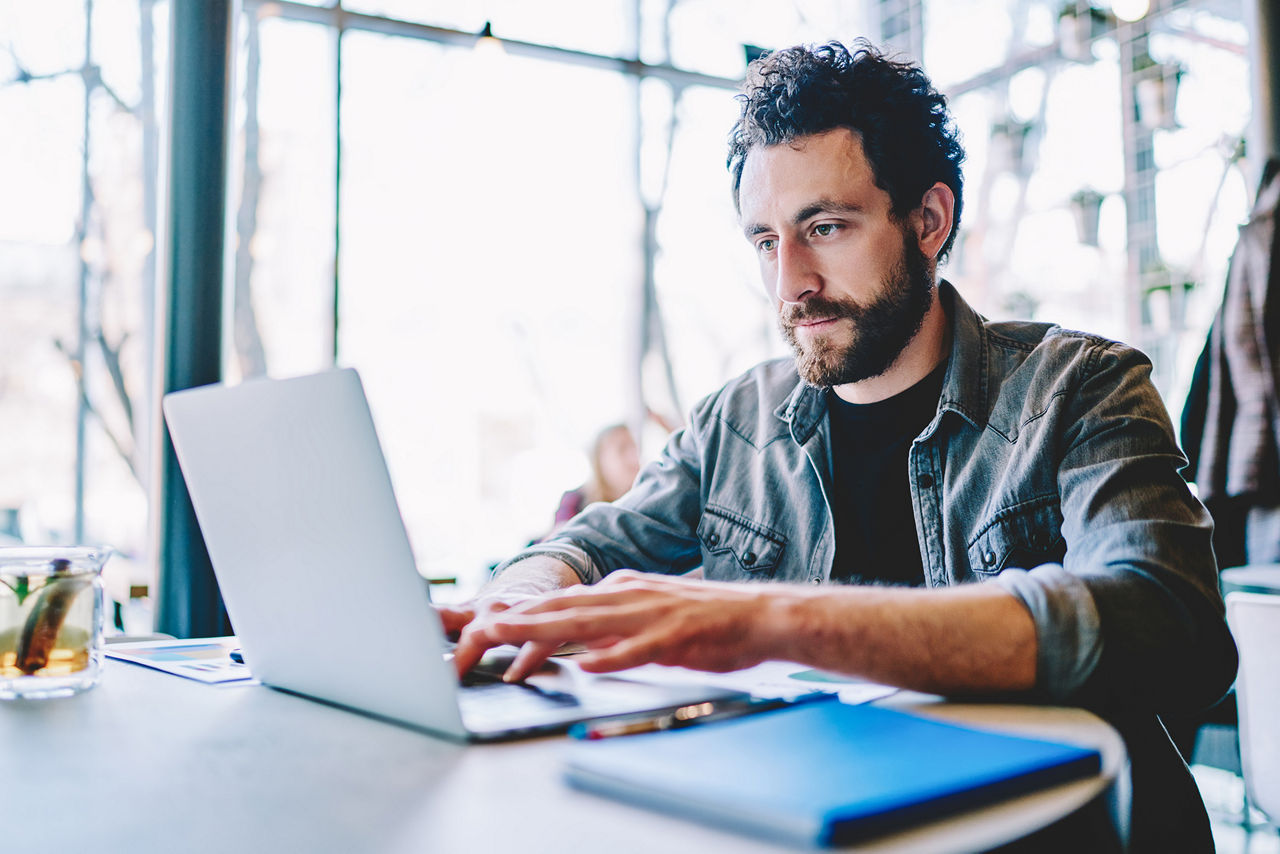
206 660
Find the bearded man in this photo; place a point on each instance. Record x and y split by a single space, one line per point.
939 502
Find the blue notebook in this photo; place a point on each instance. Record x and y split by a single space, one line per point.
825 774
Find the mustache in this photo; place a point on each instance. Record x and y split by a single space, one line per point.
819 308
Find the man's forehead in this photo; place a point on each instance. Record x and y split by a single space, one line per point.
800 173
838 145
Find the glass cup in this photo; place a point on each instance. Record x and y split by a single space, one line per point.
51 618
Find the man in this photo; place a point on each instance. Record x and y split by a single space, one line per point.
911 447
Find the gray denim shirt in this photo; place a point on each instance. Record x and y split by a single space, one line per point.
1050 468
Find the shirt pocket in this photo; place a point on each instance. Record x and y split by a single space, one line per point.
736 548
1023 536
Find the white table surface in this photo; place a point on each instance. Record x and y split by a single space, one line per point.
149 762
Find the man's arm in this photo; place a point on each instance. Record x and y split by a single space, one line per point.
1132 617
967 640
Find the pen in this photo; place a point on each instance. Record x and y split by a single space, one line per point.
684 716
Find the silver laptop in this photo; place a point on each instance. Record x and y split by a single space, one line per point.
295 503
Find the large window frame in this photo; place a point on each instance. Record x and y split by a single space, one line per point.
190 608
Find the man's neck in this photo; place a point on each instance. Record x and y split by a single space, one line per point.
929 346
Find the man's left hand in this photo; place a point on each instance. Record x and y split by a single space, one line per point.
634 618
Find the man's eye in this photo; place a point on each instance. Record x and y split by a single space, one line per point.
767 245
825 229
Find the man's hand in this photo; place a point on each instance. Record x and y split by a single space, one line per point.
629 619
527 579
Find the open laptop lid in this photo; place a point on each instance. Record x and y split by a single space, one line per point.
296 505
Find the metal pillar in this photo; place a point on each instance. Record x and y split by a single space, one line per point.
1264 35
1140 179
902 28
188 602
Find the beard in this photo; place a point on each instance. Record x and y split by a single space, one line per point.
882 328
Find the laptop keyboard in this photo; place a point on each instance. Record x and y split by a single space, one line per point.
491 702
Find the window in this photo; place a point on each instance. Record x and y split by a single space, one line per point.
79 166
482 229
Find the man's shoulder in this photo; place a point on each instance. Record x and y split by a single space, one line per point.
1048 346
1029 365
746 403
764 386
994 351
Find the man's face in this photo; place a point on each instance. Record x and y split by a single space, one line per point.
850 283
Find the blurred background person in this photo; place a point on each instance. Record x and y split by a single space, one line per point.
615 462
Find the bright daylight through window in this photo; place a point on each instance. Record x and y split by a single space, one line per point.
519 241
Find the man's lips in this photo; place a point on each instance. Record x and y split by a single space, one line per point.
814 324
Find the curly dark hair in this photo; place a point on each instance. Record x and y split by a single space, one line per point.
907 133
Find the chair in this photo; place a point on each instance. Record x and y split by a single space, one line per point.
1255 621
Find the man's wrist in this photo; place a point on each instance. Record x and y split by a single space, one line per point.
786 622
535 575
822 626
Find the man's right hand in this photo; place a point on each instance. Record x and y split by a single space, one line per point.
475 637
468 621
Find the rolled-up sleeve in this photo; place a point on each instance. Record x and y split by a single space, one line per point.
1068 628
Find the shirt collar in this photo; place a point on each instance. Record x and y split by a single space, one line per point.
965 389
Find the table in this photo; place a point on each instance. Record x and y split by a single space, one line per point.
149 762
1255 578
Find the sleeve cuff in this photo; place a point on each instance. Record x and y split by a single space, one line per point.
577 559
1068 629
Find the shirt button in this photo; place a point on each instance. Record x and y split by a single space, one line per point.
749 558
989 557
926 481
713 538
817 579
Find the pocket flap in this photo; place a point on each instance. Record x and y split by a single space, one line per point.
1023 536
753 546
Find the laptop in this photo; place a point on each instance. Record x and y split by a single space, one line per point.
295 502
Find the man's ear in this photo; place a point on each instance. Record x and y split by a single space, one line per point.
932 219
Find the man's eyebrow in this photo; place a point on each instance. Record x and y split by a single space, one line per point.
825 206
822 206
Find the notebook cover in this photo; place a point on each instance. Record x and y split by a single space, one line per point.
825 774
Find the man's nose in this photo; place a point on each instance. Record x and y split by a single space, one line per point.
797 276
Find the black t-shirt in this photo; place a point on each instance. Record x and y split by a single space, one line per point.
875 524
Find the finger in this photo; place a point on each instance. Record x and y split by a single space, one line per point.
601 642
631 652
474 641
491 606
531 656
582 624
588 597
455 619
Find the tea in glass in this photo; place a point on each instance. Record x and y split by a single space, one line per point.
51 619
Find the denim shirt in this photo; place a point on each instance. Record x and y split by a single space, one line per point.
1050 468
